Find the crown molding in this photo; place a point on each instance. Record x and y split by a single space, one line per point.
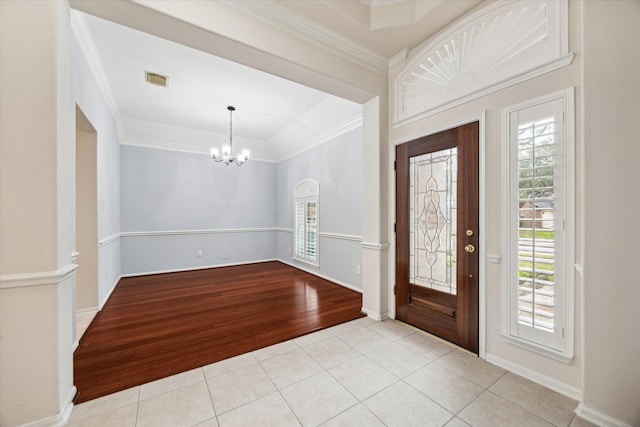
87 44
397 62
305 29
164 145
174 146
335 132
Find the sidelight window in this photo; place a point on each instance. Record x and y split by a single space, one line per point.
539 210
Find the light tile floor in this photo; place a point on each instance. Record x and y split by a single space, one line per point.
361 373
83 320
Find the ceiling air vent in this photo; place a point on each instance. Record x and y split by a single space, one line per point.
156 79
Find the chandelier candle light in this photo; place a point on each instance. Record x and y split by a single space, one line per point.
226 156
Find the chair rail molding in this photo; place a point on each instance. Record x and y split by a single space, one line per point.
502 44
37 278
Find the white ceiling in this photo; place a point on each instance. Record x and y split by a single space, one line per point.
274 117
384 27
200 88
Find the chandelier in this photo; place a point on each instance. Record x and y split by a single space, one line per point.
225 155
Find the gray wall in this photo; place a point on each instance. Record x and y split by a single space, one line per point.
168 190
175 204
337 166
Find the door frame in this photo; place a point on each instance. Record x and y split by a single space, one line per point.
482 215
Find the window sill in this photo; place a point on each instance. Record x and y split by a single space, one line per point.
565 358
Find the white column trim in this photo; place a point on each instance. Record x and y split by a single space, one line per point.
375 246
8 281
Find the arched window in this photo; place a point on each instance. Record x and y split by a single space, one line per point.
306 209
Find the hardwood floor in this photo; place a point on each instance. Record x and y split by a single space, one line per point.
159 325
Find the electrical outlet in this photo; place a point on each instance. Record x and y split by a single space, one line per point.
199 252
289 250
358 269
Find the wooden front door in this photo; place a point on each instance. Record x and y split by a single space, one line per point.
437 234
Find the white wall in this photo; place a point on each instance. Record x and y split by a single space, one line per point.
612 210
86 216
566 378
88 96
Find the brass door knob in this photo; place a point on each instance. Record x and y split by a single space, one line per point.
470 248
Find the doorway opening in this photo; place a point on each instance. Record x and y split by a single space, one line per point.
86 223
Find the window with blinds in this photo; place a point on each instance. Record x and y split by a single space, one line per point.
536 223
306 236
539 216
305 233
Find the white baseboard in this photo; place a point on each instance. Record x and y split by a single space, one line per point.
90 309
315 273
374 315
44 422
371 314
298 266
113 287
598 418
549 382
205 267
63 417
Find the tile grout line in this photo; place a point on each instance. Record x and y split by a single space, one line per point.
206 383
138 405
367 354
517 404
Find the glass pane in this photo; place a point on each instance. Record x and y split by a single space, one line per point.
299 244
433 212
536 216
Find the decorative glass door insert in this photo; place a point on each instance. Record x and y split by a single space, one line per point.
432 223
437 267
